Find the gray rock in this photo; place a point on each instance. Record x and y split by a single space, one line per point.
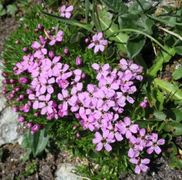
8 120
8 127
65 172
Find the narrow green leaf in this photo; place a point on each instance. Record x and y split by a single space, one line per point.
134 47
41 142
160 115
169 88
177 74
178 50
87 5
171 23
71 22
161 58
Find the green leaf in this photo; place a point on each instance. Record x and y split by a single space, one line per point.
35 143
11 9
172 22
175 163
174 128
178 114
134 46
39 142
116 6
159 115
178 50
169 88
71 22
2 10
87 5
110 28
177 74
75 38
161 58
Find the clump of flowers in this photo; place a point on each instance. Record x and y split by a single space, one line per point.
54 90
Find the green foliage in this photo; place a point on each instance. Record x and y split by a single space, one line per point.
11 9
128 29
173 90
65 134
161 58
30 169
177 74
36 143
134 46
2 10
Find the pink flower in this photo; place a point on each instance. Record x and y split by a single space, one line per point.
154 144
141 164
66 11
103 141
144 103
98 42
127 128
58 38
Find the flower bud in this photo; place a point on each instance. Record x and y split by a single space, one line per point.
51 54
25 49
29 125
21 119
66 51
35 128
78 61
23 80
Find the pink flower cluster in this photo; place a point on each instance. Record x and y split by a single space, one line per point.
55 90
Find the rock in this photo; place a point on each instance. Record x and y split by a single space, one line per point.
65 172
8 127
8 120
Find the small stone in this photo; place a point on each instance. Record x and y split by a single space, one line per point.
65 172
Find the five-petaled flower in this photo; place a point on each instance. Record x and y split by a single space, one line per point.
98 42
66 11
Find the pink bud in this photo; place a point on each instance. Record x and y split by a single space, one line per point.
21 96
15 109
86 40
25 49
29 125
40 27
51 54
21 119
11 81
5 81
66 51
36 114
35 128
17 89
29 91
78 61
4 74
78 135
144 103
23 80
42 40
